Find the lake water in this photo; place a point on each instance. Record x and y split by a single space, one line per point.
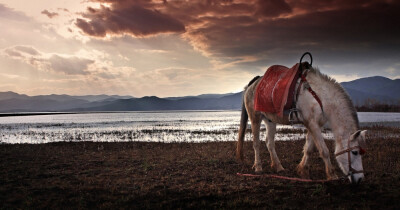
179 126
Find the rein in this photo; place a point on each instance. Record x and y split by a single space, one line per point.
290 178
351 169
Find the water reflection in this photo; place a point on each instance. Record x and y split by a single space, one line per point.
189 126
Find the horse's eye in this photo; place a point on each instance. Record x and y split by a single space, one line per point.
354 152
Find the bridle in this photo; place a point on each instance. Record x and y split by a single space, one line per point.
348 150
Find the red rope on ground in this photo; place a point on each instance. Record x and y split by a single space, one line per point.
285 178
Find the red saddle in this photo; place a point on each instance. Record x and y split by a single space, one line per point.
275 91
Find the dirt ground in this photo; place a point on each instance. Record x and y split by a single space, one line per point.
186 175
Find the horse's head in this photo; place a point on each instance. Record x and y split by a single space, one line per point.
350 159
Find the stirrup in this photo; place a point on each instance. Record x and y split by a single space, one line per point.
293 113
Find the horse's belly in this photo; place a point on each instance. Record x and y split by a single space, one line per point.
277 119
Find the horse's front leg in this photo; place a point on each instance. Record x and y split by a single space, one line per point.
303 167
255 128
322 148
270 141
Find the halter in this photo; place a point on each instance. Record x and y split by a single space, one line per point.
348 150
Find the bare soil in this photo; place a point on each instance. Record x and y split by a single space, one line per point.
138 175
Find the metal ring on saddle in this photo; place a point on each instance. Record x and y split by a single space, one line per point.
309 54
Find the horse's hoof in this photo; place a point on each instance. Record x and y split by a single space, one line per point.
257 168
303 172
280 169
258 172
277 168
299 169
333 177
304 175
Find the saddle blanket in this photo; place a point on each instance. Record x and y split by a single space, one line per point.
275 91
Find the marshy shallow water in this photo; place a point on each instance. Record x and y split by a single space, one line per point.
179 126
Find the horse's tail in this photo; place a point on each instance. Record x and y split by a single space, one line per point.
242 132
243 124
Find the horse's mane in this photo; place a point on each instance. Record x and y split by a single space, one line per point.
339 88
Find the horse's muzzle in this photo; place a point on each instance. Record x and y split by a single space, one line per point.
356 178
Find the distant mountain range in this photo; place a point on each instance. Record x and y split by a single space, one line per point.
380 89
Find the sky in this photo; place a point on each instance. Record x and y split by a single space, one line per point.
188 47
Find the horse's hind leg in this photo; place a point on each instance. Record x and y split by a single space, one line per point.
255 128
270 141
303 167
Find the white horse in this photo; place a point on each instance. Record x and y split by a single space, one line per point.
338 112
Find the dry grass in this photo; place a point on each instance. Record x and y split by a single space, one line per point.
186 175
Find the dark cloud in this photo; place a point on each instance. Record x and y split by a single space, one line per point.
133 19
325 5
273 8
360 33
359 27
263 30
49 14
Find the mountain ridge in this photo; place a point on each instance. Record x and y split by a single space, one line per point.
377 89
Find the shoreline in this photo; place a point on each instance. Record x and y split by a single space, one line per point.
15 114
28 134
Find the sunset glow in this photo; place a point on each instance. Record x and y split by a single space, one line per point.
176 48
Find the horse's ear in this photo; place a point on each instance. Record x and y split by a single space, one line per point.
362 141
355 135
363 133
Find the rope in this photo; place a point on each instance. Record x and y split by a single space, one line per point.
286 178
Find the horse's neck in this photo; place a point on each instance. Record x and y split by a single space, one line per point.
337 110
342 127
